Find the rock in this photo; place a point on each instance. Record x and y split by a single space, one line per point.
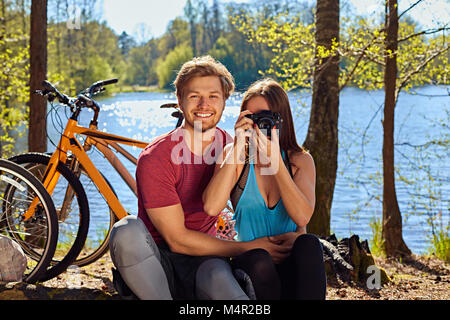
13 261
335 265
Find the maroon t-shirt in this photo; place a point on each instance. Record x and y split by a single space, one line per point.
168 173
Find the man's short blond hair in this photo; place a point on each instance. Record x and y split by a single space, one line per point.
202 67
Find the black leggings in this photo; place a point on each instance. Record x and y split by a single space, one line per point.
300 276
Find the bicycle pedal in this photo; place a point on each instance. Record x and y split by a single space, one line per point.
121 287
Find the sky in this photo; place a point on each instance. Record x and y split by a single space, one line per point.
129 15
149 18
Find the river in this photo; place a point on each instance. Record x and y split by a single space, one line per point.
420 118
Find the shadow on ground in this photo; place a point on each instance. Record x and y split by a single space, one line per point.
25 291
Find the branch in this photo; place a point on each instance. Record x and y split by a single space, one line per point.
429 31
415 4
359 51
367 129
323 66
361 56
424 145
418 69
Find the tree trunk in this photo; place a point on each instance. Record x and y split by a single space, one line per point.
392 219
191 14
322 137
37 138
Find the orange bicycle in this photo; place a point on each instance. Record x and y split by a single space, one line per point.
71 162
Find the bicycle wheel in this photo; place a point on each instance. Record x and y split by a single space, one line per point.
38 235
101 218
72 214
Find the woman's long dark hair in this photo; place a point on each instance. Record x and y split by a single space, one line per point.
278 101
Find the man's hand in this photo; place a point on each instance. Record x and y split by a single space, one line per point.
286 240
278 251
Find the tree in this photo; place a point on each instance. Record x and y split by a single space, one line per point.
392 219
191 14
14 79
126 43
37 138
322 136
167 69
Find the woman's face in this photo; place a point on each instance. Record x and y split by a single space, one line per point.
257 104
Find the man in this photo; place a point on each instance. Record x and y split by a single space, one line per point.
170 249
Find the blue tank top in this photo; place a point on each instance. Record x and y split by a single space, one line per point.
254 219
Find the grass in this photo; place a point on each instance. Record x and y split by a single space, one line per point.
440 245
376 243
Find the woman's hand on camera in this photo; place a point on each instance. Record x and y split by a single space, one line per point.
243 129
268 149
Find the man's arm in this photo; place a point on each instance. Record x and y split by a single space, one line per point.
169 221
226 174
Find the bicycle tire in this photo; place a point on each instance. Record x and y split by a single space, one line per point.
14 180
92 249
79 218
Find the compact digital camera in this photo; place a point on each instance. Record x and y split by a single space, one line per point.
266 120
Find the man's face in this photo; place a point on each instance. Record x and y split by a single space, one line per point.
203 103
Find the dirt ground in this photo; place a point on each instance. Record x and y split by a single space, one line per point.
417 278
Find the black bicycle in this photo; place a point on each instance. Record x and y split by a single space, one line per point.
28 217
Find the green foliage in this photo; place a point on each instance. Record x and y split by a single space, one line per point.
376 243
440 244
140 65
291 42
14 92
168 67
421 60
78 57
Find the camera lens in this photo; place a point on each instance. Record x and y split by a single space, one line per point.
266 125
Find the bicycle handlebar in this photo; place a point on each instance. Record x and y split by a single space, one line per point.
84 96
106 82
61 97
98 86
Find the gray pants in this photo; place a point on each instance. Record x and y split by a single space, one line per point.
138 259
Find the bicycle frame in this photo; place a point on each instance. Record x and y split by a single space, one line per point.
102 141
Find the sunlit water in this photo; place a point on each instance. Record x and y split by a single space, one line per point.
358 192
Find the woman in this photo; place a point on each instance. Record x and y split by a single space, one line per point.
271 183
